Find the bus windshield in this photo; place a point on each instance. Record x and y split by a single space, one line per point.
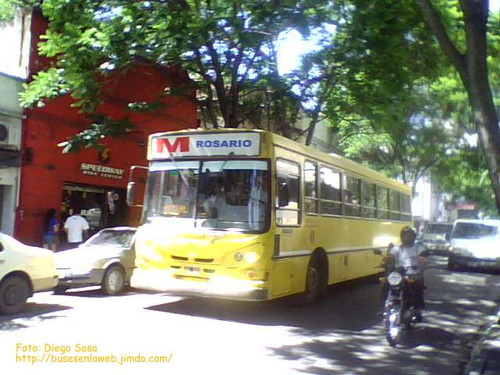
222 195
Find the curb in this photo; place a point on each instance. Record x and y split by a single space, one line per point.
485 353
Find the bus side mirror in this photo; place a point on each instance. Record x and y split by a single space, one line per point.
1 247
283 195
447 236
136 186
131 194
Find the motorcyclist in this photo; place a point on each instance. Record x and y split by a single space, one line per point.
408 255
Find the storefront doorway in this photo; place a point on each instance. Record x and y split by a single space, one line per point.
103 207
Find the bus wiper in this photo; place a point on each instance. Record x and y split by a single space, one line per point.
229 156
183 178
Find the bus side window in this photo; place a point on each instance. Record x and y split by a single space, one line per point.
288 201
311 187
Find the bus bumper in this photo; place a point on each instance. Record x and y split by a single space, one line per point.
218 287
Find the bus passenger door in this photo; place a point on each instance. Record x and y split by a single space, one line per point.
284 264
343 266
286 268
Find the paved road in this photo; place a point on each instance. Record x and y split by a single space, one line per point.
172 335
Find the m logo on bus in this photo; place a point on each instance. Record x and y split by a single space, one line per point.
181 144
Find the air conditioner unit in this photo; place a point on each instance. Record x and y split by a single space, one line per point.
4 133
9 135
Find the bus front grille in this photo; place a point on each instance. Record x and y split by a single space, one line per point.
204 260
183 259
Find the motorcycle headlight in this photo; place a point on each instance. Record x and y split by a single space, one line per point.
395 278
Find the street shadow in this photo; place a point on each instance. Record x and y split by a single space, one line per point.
345 334
33 311
348 306
430 336
96 292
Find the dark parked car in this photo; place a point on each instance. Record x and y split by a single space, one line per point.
106 259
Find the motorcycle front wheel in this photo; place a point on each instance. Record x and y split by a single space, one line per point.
393 326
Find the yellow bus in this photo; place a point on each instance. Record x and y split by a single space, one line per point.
250 215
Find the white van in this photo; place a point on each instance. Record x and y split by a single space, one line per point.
23 271
475 243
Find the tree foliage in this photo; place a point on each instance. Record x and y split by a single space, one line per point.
399 104
384 62
226 47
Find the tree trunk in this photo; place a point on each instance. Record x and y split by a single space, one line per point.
312 128
473 70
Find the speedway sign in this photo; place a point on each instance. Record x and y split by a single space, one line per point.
210 144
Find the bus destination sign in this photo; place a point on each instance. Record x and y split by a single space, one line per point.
212 144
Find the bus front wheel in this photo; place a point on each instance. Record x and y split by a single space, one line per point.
315 283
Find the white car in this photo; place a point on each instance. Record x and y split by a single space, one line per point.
106 259
23 270
434 237
475 243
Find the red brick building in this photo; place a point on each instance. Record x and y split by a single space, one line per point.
90 180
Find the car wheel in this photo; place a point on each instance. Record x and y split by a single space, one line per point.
113 280
14 292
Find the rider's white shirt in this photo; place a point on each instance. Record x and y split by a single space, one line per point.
407 256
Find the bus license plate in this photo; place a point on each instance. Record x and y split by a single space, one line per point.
196 270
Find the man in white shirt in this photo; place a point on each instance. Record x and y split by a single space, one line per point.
76 228
409 255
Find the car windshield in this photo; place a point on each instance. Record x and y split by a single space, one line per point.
437 228
222 194
473 231
108 237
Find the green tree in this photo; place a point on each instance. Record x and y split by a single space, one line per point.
225 46
384 62
391 72
468 179
462 33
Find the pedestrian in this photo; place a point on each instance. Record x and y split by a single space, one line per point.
51 228
77 229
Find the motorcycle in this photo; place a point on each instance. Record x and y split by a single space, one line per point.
399 313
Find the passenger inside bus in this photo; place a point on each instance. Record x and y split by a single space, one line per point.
237 200
216 202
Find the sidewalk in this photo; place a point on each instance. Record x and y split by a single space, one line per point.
485 354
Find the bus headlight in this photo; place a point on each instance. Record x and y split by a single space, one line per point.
251 257
247 255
